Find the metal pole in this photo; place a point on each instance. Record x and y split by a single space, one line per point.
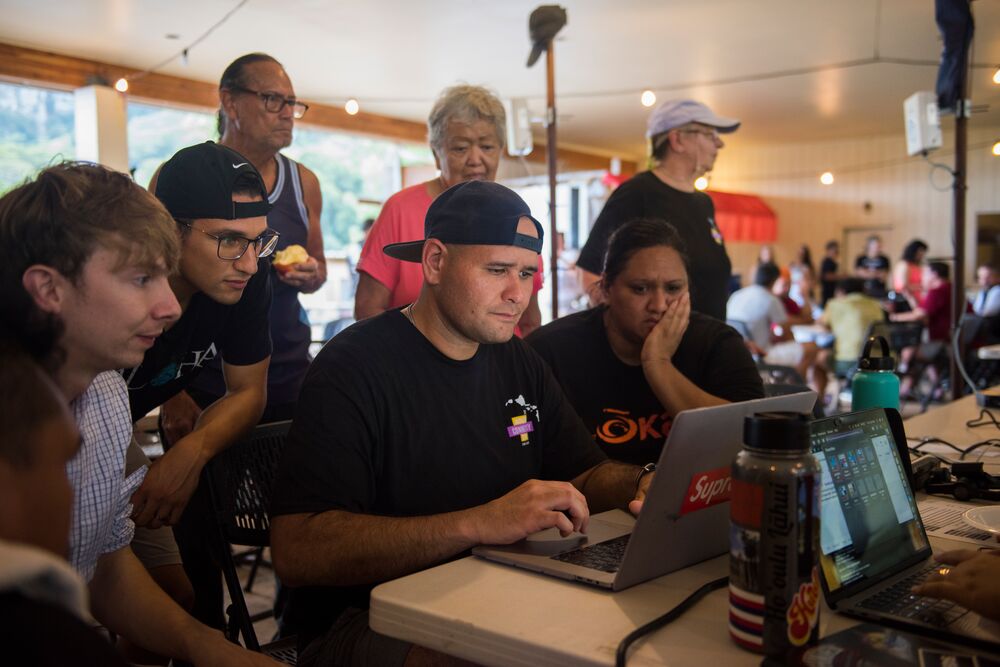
959 188
550 150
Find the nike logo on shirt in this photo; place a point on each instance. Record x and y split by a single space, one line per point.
237 166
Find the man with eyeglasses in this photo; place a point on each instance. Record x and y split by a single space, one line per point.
257 112
86 259
684 138
219 203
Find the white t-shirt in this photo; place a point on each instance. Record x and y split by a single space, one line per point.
758 309
987 302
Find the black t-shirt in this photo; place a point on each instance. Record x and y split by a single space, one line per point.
692 213
877 263
239 333
873 286
614 399
43 634
829 286
388 425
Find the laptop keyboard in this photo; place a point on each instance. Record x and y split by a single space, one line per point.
897 600
604 556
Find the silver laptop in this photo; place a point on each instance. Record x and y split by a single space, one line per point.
685 518
873 546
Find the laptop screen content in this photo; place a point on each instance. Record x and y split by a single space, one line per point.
869 518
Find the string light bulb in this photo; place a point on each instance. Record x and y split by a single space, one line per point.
121 85
996 76
826 178
996 148
352 107
701 183
648 98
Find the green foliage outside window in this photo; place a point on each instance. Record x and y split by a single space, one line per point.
356 173
36 130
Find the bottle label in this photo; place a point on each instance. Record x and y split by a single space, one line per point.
746 590
803 612
773 580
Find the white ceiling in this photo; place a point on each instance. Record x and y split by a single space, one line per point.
396 55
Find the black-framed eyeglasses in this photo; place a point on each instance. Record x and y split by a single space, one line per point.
234 246
274 103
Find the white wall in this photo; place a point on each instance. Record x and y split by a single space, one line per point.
874 170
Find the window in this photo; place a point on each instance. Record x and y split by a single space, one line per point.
36 130
155 133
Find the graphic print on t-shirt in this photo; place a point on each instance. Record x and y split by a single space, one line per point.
520 414
194 360
716 232
620 427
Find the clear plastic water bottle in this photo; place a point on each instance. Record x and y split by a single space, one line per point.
876 384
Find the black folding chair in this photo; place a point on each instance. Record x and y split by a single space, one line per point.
240 481
775 374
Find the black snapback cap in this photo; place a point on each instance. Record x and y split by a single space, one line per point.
473 213
197 182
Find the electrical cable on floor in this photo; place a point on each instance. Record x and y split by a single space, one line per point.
622 653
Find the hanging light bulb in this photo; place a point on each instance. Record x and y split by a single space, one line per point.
826 178
121 85
648 98
996 76
996 148
352 107
701 183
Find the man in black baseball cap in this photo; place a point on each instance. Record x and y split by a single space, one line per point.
426 430
219 203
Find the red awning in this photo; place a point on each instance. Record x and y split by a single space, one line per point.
744 218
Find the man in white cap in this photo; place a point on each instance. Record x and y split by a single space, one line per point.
684 137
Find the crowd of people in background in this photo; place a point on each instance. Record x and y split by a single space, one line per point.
847 302
424 429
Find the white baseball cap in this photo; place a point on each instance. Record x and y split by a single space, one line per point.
675 113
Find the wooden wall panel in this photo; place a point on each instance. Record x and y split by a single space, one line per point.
875 170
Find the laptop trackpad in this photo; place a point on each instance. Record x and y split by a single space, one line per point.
549 542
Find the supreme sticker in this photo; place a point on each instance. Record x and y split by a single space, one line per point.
706 489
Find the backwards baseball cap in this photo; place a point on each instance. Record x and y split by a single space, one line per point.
473 213
675 113
198 182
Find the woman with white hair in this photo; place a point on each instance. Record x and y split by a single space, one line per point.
466 131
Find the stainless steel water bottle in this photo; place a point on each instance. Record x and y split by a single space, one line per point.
774 591
875 385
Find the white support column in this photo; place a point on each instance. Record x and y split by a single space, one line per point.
101 127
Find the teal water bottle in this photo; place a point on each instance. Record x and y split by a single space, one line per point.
875 385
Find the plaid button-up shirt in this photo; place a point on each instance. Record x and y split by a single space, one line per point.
101 492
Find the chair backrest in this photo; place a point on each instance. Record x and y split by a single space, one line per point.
774 374
241 479
897 334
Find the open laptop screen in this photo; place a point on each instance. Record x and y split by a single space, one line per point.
869 519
